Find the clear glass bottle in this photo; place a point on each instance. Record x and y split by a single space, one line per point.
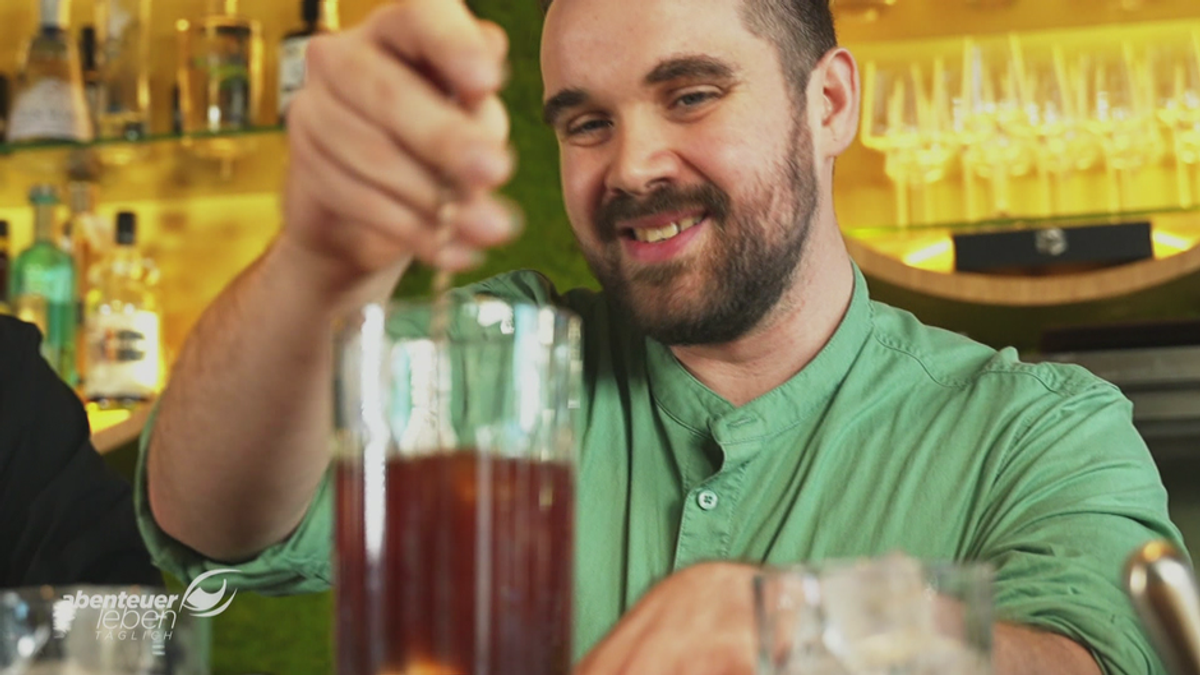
123 60
319 16
49 104
124 325
220 83
86 237
44 276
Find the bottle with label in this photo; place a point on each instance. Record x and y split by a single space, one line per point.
124 325
319 16
4 272
48 101
86 237
220 83
43 286
121 27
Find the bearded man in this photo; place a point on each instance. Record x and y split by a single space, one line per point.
747 403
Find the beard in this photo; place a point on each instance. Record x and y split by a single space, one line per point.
752 257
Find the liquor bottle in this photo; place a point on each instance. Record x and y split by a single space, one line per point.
48 104
3 107
86 236
122 27
176 111
220 85
319 16
91 73
4 272
43 276
124 325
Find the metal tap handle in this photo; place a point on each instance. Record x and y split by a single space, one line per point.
1164 591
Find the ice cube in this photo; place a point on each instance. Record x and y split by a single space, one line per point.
878 613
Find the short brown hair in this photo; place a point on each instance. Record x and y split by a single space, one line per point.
802 31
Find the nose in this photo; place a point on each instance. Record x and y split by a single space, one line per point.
645 159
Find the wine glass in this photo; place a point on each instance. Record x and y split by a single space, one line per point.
1174 64
1116 116
986 106
1049 121
901 121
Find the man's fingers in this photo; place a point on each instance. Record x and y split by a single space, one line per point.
493 118
421 141
364 150
395 98
496 38
444 37
481 220
618 647
358 202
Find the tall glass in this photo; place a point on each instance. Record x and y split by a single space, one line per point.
988 102
1175 74
455 479
219 80
893 615
123 27
903 119
1117 116
1051 122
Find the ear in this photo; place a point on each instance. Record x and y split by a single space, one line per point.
834 102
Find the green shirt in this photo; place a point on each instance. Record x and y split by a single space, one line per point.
896 437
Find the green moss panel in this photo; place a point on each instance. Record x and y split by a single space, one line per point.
547 244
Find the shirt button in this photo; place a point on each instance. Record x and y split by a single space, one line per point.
707 500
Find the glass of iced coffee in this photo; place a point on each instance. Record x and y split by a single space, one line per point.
455 481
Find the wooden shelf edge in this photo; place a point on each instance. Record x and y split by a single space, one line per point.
110 438
1025 291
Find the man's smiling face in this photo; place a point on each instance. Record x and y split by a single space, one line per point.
687 160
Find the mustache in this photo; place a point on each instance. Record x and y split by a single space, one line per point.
625 206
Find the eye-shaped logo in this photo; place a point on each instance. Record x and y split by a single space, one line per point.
201 602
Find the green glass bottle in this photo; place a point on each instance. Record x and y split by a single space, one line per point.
44 275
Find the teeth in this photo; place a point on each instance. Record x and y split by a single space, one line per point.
653 235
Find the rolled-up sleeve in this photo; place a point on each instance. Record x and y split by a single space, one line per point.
1076 494
299 564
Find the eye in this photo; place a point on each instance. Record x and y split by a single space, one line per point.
586 126
694 99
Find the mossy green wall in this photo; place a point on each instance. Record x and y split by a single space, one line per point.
547 244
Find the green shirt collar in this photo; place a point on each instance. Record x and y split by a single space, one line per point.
684 398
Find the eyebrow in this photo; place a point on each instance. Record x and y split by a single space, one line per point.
670 70
561 102
690 68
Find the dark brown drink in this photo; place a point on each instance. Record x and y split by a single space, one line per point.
466 570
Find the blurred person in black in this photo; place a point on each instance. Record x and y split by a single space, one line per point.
65 516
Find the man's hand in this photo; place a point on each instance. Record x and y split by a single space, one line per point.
699 621
396 115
